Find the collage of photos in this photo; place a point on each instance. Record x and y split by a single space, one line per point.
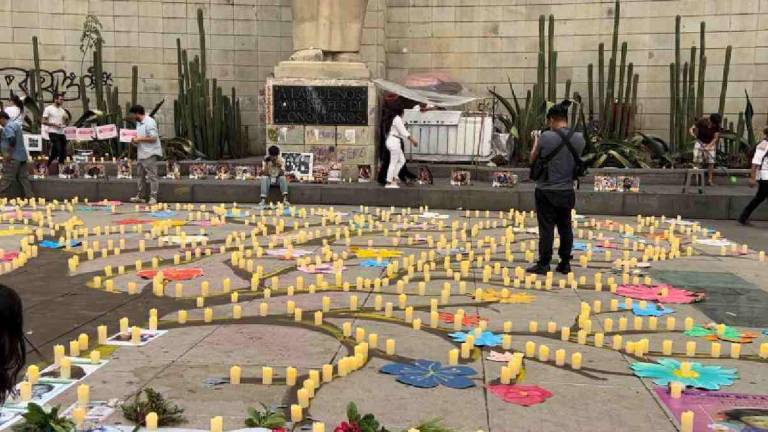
617 184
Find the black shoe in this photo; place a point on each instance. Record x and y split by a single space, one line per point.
744 222
538 269
563 267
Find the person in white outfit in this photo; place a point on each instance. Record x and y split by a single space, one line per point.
397 133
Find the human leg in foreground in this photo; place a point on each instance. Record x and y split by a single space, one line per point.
758 177
12 347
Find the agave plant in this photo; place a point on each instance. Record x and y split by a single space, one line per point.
521 120
168 413
37 420
609 152
268 418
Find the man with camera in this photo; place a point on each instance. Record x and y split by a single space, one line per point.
555 165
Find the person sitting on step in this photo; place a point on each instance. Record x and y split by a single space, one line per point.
273 173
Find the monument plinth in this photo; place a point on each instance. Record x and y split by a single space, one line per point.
320 101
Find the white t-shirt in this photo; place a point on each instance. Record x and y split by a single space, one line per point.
148 128
398 129
14 113
762 160
55 115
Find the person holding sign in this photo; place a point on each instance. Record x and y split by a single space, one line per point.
55 117
273 173
148 153
15 155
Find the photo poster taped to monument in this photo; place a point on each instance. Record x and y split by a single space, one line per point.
326 164
298 166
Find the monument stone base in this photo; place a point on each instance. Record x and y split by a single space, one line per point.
322 70
334 119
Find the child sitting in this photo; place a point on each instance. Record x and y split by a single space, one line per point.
273 174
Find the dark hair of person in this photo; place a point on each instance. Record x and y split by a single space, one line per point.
58 95
716 119
16 100
273 151
13 351
559 111
4 115
137 109
765 132
739 413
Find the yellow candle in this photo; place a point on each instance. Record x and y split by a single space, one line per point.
290 376
25 391
543 353
318 427
735 350
530 348
33 374
690 349
616 343
302 396
235 373
373 340
506 375
764 351
297 314
78 416
74 348
688 323
453 357
208 315
686 421
135 335
599 340
296 414
576 361
65 369
101 331
266 375
58 354
153 323
217 424
390 347
560 357
666 347
715 349
83 395
533 326
671 322
675 389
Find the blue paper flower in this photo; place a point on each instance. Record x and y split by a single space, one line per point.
374 263
651 309
765 332
428 374
700 376
485 339
582 247
50 244
163 214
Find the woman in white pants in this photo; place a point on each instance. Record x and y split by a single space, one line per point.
397 133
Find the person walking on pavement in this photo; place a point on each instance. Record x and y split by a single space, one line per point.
15 169
758 177
556 154
148 153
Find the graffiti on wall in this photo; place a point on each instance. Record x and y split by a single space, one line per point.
17 80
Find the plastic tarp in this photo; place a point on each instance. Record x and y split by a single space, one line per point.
424 96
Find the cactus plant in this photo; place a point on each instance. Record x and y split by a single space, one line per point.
202 113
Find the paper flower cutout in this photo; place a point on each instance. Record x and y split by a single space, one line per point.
504 357
523 395
433 215
656 293
491 295
713 242
485 339
375 253
469 320
205 223
132 222
174 239
106 203
374 263
729 334
429 374
286 255
49 244
700 376
9 256
173 274
319 269
163 214
170 223
651 309
17 215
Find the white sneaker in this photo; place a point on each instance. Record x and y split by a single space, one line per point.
262 204
152 201
391 186
138 200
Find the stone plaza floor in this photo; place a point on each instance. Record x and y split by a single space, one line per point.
363 301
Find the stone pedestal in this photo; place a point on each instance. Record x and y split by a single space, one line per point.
333 118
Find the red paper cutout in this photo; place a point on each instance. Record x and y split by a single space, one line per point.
173 274
522 395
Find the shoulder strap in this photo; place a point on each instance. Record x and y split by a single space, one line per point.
553 153
567 142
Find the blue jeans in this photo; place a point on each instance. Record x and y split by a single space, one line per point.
266 182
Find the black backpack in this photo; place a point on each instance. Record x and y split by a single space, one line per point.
540 167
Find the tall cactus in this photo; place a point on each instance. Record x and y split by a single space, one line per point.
202 113
702 69
724 86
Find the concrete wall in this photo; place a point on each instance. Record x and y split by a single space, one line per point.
479 41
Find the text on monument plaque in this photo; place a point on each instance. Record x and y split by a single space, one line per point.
320 105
